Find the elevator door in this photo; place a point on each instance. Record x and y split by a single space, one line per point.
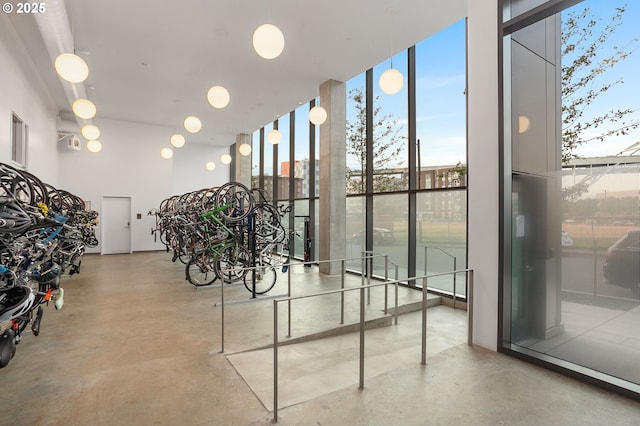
528 254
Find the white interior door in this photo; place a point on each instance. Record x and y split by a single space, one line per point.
116 225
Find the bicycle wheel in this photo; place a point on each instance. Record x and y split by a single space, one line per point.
267 220
235 201
232 262
198 273
265 277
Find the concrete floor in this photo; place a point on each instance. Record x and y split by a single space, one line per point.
135 344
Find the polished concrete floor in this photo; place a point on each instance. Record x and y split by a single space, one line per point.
135 344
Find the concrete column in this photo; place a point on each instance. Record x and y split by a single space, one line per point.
333 205
484 173
243 163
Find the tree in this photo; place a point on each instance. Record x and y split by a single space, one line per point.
583 42
386 144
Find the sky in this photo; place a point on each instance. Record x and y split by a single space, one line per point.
440 100
624 95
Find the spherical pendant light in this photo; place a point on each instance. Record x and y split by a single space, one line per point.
192 124
268 41
317 115
211 166
218 97
177 140
391 81
244 149
225 159
71 68
94 146
84 108
274 136
90 132
166 153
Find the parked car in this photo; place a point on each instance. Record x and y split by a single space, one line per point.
622 264
380 236
567 241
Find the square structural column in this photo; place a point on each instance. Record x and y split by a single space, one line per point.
333 203
243 162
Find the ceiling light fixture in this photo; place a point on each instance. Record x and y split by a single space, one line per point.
391 81
274 136
166 153
225 159
218 97
94 146
268 41
71 68
211 166
177 140
84 108
317 115
192 124
245 149
90 132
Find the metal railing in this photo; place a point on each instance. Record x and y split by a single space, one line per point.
362 288
289 265
455 262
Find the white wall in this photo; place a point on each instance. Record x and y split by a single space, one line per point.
189 172
23 92
483 187
130 165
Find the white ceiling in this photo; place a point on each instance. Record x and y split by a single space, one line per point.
152 61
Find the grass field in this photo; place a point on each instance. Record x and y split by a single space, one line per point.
583 234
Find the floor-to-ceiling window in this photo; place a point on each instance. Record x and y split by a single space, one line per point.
572 237
441 145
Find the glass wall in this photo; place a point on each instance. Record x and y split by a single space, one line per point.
572 245
356 137
390 133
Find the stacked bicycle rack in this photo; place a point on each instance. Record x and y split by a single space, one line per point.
43 234
227 233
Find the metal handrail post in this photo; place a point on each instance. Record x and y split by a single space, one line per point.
344 270
424 322
470 308
454 283
275 361
425 259
222 319
361 385
369 274
386 278
289 302
396 307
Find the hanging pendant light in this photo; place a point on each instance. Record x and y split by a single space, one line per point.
225 159
274 136
211 166
218 97
268 41
166 153
317 115
192 124
84 108
244 149
71 68
94 146
90 132
177 140
391 81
